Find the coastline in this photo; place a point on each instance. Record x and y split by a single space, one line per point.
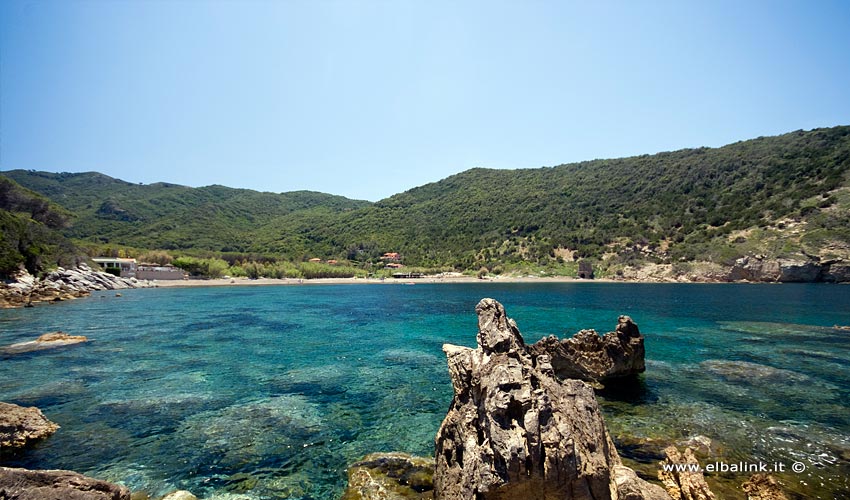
373 281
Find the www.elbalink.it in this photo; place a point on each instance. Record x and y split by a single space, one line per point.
735 467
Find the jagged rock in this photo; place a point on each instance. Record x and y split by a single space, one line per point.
589 357
514 431
390 476
763 487
62 284
682 476
47 341
20 426
22 484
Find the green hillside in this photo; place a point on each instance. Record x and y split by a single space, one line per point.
778 196
29 231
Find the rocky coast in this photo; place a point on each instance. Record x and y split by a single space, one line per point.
62 284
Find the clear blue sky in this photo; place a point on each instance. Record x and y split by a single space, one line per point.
370 98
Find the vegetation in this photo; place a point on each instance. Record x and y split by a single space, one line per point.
779 196
29 232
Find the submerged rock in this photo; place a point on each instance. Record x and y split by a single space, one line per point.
763 487
23 484
683 477
589 357
21 426
390 476
180 495
46 341
514 431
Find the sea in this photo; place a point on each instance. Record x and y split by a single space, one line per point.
270 392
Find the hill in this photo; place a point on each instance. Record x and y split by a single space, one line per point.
780 196
30 231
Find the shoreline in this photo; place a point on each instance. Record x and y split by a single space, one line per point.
372 281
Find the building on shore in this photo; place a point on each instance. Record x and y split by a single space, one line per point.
125 268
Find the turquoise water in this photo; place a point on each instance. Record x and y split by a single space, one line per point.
269 392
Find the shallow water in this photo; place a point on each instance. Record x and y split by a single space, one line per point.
269 392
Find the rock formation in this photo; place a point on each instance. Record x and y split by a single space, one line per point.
22 484
390 476
799 270
21 426
61 284
46 341
682 476
763 487
589 357
514 431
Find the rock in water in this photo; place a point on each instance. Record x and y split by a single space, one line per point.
21 426
683 482
390 476
46 341
22 484
763 487
514 431
592 358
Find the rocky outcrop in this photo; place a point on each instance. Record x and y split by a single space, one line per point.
20 426
763 487
761 269
61 284
837 272
390 476
589 357
22 484
682 476
514 431
47 341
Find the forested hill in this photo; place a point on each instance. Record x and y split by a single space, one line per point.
30 228
773 195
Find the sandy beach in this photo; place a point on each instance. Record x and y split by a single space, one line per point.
372 281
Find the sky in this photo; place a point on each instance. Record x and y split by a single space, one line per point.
369 98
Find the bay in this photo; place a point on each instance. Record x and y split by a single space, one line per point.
271 391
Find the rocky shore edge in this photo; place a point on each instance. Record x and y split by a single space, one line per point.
26 290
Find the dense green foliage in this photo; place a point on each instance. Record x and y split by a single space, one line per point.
712 204
29 236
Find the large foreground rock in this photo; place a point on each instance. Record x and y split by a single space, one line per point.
22 484
514 431
20 426
589 357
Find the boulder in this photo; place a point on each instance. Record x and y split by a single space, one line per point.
514 431
589 357
20 426
22 484
763 487
390 476
47 341
180 495
683 476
